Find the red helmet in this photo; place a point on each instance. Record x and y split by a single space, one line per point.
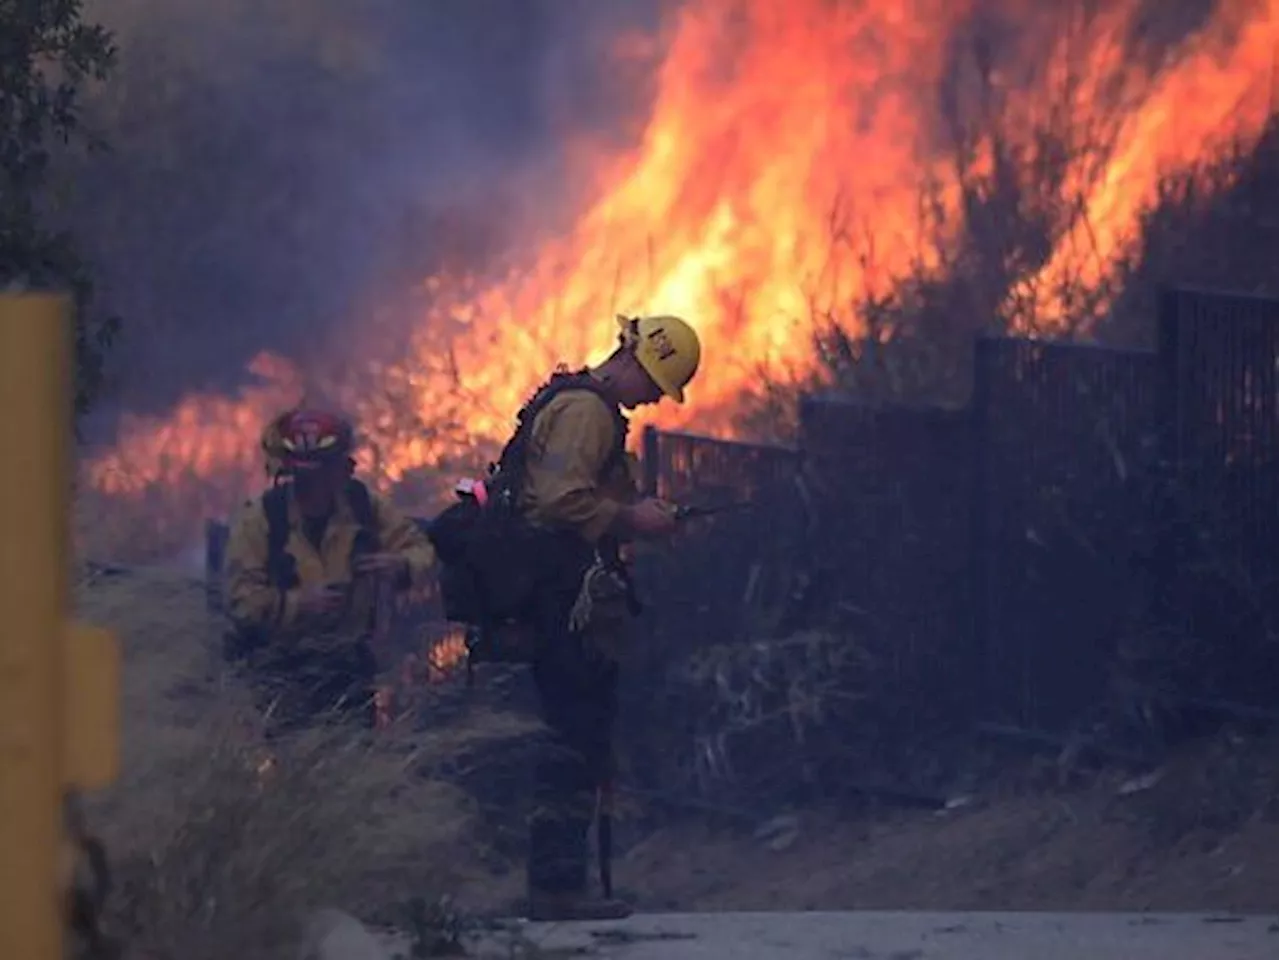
305 439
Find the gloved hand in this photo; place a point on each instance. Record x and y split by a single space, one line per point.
650 517
392 563
319 600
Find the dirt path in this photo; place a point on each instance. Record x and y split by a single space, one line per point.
1090 849
902 936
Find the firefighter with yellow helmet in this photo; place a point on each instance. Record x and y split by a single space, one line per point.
579 485
295 556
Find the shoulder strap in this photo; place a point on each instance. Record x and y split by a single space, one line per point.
620 423
511 462
361 501
275 504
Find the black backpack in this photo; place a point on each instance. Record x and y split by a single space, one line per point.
492 562
282 569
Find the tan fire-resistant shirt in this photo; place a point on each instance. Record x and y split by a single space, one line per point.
569 481
252 599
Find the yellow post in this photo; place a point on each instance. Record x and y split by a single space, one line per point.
35 419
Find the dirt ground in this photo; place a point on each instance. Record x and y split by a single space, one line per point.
1080 851
1201 836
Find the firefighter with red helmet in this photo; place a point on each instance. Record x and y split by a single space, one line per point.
295 555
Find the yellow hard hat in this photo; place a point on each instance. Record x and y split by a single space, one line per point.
666 347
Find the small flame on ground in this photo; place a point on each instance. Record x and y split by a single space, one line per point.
383 705
445 655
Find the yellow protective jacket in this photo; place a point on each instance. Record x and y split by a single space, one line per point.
255 603
573 477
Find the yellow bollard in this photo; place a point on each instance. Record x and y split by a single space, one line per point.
90 707
35 420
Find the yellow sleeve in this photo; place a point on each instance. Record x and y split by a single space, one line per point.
623 484
398 534
253 602
572 440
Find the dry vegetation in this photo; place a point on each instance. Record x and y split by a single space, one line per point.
214 858
1213 225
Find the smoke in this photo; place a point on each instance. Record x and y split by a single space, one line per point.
277 169
423 206
279 172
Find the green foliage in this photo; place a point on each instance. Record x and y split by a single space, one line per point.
47 56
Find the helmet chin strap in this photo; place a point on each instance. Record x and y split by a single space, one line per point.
629 335
609 372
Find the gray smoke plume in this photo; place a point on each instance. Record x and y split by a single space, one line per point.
275 167
280 168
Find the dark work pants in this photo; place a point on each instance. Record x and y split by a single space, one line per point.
577 692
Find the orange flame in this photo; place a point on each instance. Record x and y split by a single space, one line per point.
1219 90
445 655
778 180
441 656
204 434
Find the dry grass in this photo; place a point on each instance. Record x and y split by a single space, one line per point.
762 704
216 859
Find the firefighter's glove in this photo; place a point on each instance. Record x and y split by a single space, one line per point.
391 563
651 517
321 600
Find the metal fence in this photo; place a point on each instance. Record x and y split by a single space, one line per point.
1063 438
731 570
687 467
216 533
1218 591
1095 520
891 488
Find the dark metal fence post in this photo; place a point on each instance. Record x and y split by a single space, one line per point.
215 548
1215 570
979 542
1167 541
649 460
1058 431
